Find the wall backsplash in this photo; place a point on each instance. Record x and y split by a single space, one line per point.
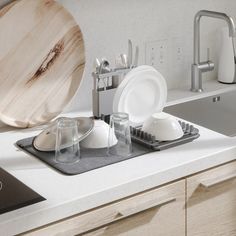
108 24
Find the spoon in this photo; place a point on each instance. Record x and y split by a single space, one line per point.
124 60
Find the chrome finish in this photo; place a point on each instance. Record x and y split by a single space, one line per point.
124 60
216 99
199 67
234 81
104 66
216 112
136 56
130 53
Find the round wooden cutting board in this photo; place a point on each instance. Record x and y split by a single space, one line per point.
42 59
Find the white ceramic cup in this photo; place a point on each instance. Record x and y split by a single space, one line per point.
163 126
98 138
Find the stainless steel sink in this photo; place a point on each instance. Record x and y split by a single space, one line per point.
217 113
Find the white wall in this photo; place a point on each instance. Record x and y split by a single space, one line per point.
108 24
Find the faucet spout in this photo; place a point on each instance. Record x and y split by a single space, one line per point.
219 15
199 67
213 14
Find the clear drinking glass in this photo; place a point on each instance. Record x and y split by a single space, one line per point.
119 141
67 148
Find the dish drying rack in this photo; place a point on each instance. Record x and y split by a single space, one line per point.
105 84
149 141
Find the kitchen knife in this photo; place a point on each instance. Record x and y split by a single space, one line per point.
136 55
130 53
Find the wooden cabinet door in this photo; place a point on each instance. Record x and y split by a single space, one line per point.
162 214
211 202
156 212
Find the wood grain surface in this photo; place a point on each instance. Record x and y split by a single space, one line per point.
132 216
42 59
211 211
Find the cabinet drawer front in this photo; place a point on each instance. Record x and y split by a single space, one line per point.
156 200
211 202
167 220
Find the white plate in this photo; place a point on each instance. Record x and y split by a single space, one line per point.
124 82
143 93
133 72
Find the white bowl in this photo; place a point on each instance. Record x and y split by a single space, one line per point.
163 126
98 138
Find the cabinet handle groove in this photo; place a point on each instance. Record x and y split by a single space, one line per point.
145 206
212 182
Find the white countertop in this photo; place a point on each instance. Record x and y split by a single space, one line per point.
68 195
210 88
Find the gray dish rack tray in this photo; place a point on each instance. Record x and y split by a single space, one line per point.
149 141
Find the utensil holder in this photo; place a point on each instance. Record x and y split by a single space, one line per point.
105 86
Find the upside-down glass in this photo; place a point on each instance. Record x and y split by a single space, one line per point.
119 125
67 148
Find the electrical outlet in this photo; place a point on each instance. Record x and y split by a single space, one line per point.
156 54
178 52
150 54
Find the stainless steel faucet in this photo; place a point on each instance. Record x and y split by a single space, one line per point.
199 67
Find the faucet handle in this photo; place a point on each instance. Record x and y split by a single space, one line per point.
208 65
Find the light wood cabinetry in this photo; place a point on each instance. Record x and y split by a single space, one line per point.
158 212
201 205
211 202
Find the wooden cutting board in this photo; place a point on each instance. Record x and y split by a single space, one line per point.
42 59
